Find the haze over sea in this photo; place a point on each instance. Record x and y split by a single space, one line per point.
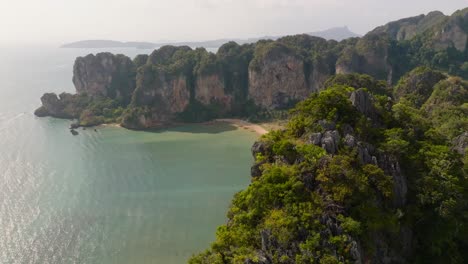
112 196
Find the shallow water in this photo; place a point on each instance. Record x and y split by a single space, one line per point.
111 195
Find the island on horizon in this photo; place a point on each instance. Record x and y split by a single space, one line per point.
336 33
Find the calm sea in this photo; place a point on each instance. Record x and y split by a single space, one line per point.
112 196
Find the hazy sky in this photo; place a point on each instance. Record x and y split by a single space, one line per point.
58 21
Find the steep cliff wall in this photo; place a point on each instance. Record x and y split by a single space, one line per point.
181 83
162 93
210 89
105 74
276 77
440 31
368 56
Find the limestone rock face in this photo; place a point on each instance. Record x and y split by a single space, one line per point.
62 106
408 28
417 85
278 81
104 74
454 33
363 102
460 143
210 89
368 56
163 93
443 31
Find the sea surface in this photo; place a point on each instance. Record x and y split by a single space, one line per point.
111 195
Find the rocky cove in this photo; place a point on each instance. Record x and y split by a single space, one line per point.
174 84
371 165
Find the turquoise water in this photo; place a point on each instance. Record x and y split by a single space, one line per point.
111 195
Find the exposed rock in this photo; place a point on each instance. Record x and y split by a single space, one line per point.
255 170
442 31
74 132
315 138
408 28
327 125
210 89
364 103
260 147
365 153
460 143
161 93
104 74
63 106
417 85
368 56
350 141
390 165
277 79
330 141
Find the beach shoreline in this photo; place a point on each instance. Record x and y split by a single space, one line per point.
238 123
241 124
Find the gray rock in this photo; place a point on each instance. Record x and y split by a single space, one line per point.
315 138
391 166
365 151
350 141
355 252
104 74
259 147
255 170
327 125
460 143
363 102
330 141
347 129
74 132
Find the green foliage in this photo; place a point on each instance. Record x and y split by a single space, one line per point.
359 81
282 214
417 86
330 105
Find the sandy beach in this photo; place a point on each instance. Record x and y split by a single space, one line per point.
239 123
243 125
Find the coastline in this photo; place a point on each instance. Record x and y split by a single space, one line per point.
238 123
241 124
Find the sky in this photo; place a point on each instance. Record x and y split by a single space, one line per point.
62 21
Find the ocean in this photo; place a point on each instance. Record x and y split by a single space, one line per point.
111 195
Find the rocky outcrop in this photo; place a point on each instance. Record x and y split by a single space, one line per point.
161 93
417 85
65 105
209 89
408 28
276 78
443 31
104 74
460 143
453 33
364 103
368 56
269 75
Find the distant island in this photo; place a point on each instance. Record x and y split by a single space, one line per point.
337 33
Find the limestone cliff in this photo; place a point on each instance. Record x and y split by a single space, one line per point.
284 72
368 56
442 31
63 106
277 78
163 95
104 74
185 84
210 89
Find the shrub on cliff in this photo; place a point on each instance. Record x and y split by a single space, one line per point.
399 195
